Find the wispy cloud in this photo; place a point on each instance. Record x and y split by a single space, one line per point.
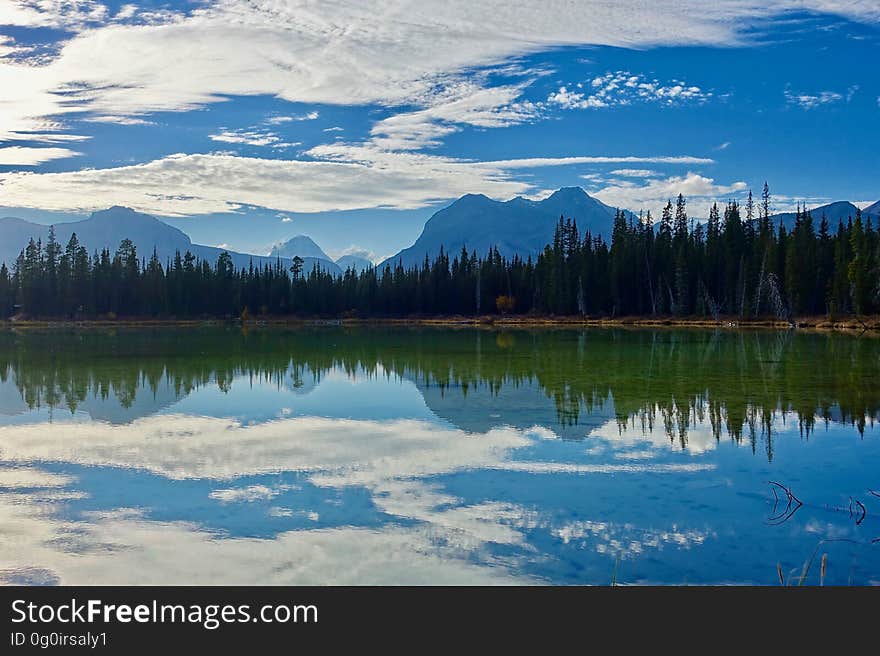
538 162
118 120
459 103
635 173
812 101
252 138
140 62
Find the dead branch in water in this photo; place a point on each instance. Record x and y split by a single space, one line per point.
791 508
864 512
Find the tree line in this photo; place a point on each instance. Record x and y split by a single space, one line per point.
736 264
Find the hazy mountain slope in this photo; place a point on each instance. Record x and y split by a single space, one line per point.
873 210
518 226
834 212
354 262
107 228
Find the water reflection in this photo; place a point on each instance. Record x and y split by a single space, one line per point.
431 456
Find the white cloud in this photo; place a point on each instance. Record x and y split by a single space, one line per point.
118 120
25 156
278 120
249 494
252 138
574 100
125 11
635 173
625 88
344 53
723 146
699 190
340 177
459 103
335 128
812 101
53 13
538 162
353 178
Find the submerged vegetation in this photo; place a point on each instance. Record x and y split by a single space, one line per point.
737 264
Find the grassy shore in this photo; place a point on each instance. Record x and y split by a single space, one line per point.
847 323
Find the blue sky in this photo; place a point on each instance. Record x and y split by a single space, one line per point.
245 123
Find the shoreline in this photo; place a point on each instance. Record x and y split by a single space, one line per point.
822 323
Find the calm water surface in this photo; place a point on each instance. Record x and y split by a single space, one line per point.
335 456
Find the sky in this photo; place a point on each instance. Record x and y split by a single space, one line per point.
246 122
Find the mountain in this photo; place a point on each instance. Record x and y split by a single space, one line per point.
309 251
518 226
834 212
300 245
872 210
354 262
107 228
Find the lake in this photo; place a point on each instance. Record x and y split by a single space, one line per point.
335 455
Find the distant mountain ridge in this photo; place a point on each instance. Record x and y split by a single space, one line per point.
873 210
355 262
107 228
833 212
516 227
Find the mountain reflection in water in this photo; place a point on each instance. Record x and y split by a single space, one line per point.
334 455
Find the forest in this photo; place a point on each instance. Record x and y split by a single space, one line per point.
738 263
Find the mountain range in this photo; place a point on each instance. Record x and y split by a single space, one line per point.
524 227
833 212
107 228
516 227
